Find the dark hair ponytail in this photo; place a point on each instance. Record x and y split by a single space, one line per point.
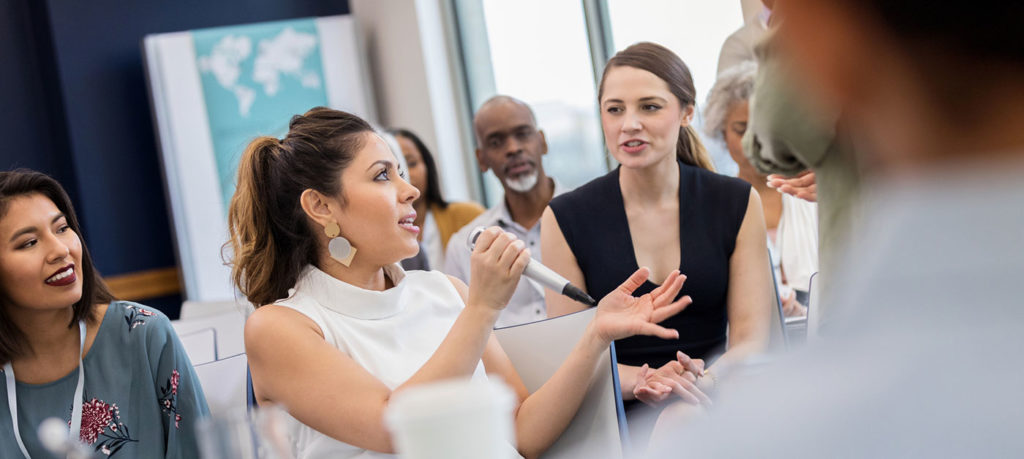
271 240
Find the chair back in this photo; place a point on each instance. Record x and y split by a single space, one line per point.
536 350
777 338
224 384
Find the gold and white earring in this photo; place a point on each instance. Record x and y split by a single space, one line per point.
339 247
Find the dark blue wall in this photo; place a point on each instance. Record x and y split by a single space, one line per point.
74 104
31 123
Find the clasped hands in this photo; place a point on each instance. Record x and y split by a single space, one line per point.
682 377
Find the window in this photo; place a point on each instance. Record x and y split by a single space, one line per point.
540 51
537 51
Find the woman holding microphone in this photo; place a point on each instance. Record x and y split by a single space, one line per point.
317 224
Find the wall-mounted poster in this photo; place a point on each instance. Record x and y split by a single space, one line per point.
213 91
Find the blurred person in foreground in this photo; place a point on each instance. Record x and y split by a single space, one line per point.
740 45
800 143
792 222
925 363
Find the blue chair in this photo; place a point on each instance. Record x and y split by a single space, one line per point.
250 395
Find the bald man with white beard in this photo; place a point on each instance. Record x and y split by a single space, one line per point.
510 145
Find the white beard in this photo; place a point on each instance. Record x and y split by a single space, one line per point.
523 183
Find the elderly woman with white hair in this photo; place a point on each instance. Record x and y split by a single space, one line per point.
792 222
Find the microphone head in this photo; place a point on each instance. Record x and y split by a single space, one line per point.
473 236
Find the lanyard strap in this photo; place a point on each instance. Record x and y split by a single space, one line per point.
12 404
76 412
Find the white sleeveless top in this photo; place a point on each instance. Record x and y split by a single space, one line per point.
391 334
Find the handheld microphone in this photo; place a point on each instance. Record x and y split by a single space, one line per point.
543 275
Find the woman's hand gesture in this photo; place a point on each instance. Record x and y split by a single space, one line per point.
621 315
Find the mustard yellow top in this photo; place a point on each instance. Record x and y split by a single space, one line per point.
454 217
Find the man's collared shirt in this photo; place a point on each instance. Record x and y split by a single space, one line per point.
527 302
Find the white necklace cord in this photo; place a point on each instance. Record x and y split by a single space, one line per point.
76 412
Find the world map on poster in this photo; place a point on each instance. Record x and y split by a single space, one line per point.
254 79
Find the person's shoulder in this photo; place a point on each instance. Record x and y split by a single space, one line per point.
720 194
718 182
136 314
751 33
276 320
741 45
272 324
593 191
746 37
137 325
124 306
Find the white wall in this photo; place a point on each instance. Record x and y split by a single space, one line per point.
416 85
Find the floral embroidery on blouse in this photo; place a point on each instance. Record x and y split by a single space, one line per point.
169 398
101 421
136 316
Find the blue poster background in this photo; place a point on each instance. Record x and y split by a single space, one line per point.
254 79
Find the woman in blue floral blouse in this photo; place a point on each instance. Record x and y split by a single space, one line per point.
113 370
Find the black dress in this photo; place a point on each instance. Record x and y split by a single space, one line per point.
711 210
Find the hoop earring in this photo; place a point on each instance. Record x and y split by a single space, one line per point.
340 248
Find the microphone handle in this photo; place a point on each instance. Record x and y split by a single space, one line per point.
550 279
542 274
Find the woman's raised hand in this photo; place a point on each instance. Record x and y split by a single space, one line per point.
497 262
620 314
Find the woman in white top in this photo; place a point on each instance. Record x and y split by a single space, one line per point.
318 222
792 222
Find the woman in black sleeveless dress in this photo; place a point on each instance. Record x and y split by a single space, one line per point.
666 209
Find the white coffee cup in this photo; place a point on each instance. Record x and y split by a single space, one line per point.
453 419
